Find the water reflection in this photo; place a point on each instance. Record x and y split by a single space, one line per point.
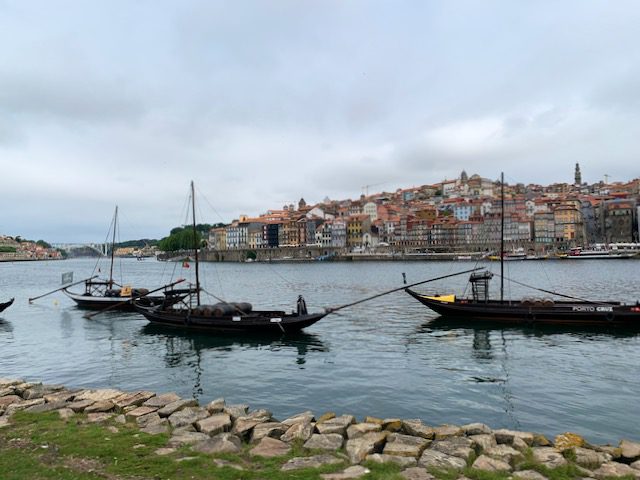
482 329
185 348
5 326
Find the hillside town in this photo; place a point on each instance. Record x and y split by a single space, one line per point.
16 249
463 214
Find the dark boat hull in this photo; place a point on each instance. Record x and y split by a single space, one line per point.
98 302
5 305
585 314
254 322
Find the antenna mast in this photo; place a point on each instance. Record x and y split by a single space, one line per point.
502 237
113 247
195 241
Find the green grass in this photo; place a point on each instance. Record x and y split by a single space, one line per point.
43 446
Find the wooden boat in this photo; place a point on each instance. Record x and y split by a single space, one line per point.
182 308
569 311
531 311
5 305
106 294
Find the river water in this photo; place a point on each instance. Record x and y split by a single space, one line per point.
385 358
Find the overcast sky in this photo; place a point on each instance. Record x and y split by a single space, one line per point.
263 102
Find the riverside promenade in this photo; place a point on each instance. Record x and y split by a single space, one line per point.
336 446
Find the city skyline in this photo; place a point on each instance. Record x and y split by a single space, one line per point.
262 103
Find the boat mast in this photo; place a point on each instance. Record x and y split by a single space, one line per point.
195 242
502 237
113 246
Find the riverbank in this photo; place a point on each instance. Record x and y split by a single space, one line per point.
98 433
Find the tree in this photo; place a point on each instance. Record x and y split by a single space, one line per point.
181 238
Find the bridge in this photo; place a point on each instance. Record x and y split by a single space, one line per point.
100 248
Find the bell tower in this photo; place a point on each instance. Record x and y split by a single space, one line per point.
578 175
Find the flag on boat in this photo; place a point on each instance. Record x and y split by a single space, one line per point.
67 278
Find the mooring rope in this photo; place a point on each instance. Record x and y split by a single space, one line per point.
335 309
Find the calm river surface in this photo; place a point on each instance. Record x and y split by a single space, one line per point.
385 358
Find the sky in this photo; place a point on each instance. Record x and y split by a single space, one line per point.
260 103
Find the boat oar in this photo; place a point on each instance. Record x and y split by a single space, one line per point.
89 316
331 310
62 288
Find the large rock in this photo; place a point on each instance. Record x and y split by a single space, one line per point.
14 407
447 431
405 445
353 472
244 425
100 406
434 459
150 419
235 411
567 441
506 436
60 396
222 443
549 457
214 424
358 448
615 469
416 473
489 464
505 453
587 458
268 429
186 438
475 429
160 401
9 399
392 424
187 416
46 407
80 405
630 450
156 428
315 461
336 425
216 406
270 447
98 395
329 441
298 431
7 391
483 441
528 475
304 417
417 429
455 446
173 407
132 399
136 413
359 429
38 391
403 462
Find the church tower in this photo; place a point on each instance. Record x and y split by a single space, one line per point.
578 176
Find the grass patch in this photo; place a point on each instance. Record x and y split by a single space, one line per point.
44 446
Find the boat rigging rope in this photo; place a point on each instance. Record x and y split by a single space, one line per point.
335 309
551 292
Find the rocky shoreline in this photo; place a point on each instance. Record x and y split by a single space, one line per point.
417 448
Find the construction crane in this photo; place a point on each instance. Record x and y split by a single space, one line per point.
365 188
